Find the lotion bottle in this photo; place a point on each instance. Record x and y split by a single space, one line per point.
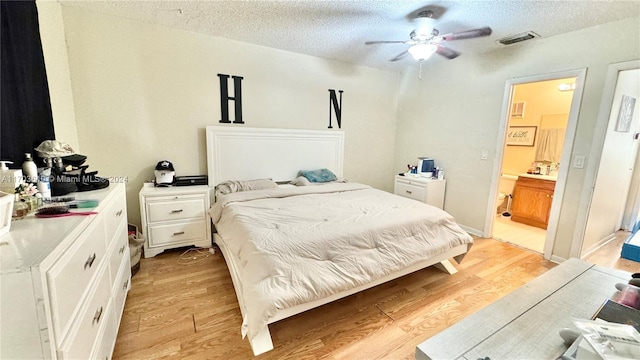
29 169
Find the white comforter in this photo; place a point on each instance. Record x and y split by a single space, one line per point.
295 245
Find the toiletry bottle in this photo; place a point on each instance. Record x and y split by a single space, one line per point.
44 185
29 169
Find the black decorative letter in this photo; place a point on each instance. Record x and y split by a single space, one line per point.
224 98
336 106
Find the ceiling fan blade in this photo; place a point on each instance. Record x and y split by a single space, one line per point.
384 42
446 52
469 34
400 56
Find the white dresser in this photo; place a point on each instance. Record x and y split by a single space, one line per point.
427 190
174 217
64 281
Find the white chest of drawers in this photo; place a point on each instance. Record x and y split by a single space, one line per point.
174 217
427 190
63 282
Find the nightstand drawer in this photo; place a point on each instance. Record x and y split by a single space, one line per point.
177 233
177 209
410 191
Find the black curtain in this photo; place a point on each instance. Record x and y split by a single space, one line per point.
25 107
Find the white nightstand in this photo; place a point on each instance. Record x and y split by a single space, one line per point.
427 190
174 217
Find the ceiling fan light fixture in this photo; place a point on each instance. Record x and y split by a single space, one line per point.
424 24
422 51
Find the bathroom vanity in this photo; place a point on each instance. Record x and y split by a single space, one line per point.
532 198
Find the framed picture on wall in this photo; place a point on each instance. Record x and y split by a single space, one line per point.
627 104
517 109
521 135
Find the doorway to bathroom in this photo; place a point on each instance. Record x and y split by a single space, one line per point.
539 126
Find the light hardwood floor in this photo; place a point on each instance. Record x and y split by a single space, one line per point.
188 309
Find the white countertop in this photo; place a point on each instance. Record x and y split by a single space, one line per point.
540 177
31 239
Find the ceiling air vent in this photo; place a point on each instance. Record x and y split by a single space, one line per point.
518 38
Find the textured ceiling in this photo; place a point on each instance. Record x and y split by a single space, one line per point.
338 29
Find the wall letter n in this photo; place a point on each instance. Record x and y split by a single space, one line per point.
225 98
336 106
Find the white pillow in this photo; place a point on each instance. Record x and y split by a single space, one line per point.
231 186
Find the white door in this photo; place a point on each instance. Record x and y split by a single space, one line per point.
616 164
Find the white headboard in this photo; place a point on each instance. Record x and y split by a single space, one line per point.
241 153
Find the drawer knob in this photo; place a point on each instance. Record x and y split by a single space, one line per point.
89 262
178 233
408 191
176 211
121 250
97 316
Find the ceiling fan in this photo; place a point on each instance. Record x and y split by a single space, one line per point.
426 40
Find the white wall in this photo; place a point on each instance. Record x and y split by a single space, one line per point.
57 67
454 113
615 169
144 93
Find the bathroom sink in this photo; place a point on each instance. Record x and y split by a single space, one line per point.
540 176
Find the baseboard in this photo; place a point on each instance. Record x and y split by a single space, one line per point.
557 259
472 231
600 244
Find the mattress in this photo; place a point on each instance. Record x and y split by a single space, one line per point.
295 245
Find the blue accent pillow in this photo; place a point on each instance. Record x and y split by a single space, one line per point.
320 175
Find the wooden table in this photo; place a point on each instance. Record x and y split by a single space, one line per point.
525 323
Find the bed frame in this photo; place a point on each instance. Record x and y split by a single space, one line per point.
240 153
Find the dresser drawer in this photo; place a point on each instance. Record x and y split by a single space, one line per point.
81 340
119 251
115 214
103 348
69 278
176 208
411 191
121 287
177 233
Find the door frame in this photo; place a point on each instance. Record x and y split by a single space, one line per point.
599 133
580 75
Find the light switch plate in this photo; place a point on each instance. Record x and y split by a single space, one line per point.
578 161
484 155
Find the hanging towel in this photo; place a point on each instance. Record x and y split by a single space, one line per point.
550 143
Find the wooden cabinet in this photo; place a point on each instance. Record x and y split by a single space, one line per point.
174 217
532 200
427 190
64 282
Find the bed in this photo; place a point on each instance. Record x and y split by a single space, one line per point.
293 248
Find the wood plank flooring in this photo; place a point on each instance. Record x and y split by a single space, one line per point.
187 309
